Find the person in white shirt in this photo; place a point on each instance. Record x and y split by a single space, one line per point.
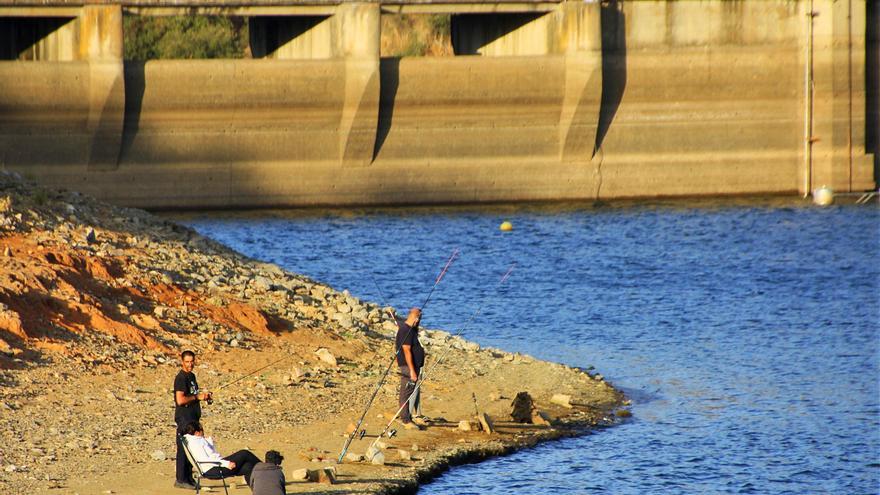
205 454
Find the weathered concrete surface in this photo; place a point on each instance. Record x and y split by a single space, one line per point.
635 99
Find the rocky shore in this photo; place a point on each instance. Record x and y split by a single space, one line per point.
96 301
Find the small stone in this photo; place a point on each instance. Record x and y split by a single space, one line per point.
371 452
158 455
404 455
623 413
91 237
300 474
563 400
378 459
541 418
7 251
159 311
326 356
468 425
415 447
352 457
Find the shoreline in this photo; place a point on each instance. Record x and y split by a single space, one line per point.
98 300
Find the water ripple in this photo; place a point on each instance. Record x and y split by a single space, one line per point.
746 336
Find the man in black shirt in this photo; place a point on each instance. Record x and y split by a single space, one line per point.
410 359
187 409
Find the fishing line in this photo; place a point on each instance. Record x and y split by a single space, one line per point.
360 422
427 373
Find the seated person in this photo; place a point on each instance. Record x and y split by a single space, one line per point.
267 477
202 449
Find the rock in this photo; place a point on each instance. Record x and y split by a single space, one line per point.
5 348
623 413
158 455
381 445
300 474
352 457
471 346
378 459
11 468
486 423
541 418
522 407
261 283
404 455
91 237
160 311
562 400
371 452
468 425
343 308
7 251
323 475
326 356
415 447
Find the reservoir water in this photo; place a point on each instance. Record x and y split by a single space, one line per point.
746 334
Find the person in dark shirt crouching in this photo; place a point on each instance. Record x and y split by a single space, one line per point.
267 478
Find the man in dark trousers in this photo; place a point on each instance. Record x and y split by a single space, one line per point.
187 409
410 359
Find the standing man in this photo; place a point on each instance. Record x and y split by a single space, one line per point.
410 359
187 409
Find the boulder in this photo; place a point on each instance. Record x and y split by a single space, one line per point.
486 423
541 418
468 425
324 475
299 474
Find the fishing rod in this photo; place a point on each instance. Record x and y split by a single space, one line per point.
427 374
360 422
253 372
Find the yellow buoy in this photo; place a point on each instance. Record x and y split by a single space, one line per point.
823 196
506 226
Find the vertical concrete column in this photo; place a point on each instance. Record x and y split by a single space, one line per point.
838 153
100 43
357 30
580 39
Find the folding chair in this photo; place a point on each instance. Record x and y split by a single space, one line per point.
199 474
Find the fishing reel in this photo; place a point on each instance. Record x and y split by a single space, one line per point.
391 433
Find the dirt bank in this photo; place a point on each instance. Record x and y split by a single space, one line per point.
95 302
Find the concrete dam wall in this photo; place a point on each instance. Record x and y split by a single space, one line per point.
543 101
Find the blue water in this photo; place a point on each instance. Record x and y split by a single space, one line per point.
747 335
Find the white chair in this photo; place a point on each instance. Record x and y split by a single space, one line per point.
198 474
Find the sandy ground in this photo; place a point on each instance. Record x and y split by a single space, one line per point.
96 302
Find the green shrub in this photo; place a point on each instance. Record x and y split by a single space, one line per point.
184 37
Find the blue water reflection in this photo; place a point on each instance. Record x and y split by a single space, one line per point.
747 336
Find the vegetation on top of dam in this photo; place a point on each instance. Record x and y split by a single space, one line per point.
198 37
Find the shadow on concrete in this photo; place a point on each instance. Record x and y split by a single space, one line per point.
470 32
135 85
613 66
19 37
872 85
389 80
269 33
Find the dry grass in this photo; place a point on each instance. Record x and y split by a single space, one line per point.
416 36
